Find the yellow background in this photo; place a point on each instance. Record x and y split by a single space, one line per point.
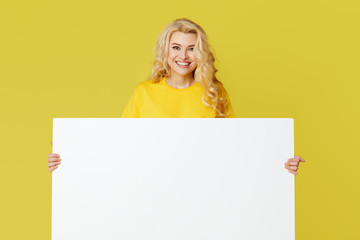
72 59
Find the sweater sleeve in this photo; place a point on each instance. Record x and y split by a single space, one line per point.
231 110
229 106
132 109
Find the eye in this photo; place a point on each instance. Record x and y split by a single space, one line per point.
176 47
191 49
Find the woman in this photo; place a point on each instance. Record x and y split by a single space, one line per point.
182 84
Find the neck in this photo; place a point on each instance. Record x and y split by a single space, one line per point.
180 81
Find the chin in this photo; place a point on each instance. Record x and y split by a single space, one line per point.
183 72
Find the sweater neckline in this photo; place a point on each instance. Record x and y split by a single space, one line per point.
163 80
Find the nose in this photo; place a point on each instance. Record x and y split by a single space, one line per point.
184 54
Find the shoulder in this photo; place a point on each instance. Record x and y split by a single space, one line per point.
146 84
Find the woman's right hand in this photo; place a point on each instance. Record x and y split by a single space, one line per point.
54 161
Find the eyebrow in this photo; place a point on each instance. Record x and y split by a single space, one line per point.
181 45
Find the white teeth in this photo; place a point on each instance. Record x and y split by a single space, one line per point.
183 64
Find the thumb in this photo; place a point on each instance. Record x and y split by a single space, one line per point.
51 143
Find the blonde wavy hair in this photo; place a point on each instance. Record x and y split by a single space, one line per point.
215 95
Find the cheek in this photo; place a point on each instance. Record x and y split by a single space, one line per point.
191 55
171 55
169 58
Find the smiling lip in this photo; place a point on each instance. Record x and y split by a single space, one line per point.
182 66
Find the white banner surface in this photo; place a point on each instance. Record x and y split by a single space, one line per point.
173 179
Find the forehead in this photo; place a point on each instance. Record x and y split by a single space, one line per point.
183 38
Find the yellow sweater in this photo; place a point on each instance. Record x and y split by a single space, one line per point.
159 100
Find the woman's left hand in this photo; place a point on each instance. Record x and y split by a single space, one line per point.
292 164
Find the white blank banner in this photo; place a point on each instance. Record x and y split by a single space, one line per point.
173 179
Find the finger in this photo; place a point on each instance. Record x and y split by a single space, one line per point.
295 159
292 167
51 143
293 172
54 159
292 163
301 159
53 155
53 164
52 168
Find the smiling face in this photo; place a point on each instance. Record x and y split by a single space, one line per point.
181 56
